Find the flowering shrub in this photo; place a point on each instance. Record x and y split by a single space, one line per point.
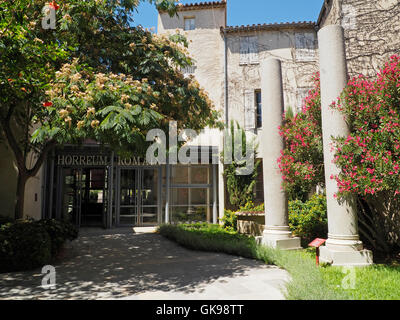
301 162
369 157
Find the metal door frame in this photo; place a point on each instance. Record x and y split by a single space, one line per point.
78 179
139 182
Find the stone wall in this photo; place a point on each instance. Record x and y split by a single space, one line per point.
371 30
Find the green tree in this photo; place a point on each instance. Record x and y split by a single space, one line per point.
240 186
92 77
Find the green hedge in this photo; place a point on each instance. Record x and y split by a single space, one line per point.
308 219
59 232
4 220
205 237
28 244
229 220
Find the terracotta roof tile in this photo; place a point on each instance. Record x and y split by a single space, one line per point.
202 5
266 26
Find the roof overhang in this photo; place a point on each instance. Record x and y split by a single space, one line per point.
270 26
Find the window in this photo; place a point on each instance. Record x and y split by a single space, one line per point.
259 109
191 193
190 23
305 46
252 109
248 50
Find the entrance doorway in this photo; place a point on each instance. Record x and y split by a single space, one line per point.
138 196
84 196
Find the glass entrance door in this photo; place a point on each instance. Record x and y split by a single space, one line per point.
139 197
93 196
84 196
71 199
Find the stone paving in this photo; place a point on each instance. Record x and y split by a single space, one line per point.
139 264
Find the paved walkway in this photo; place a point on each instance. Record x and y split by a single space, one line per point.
124 264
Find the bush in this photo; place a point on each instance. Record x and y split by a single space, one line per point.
308 220
24 245
251 207
206 237
28 244
369 157
59 231
4 220
229 220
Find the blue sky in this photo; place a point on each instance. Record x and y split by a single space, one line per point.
248 11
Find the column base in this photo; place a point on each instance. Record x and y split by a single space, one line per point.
280 238
355 257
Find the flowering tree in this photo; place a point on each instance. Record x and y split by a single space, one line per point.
369 157
93 76
301 162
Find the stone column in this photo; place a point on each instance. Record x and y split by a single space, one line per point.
343 246
167 191
221 182
276 233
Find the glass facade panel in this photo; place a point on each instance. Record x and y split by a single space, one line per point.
194 174
135 195
128 215
188 214
190 204
139 196
200 175
179 174
179 196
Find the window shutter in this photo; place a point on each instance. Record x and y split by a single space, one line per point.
244 50
190 24
249 110
253 50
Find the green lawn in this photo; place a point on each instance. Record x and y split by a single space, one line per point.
308 282
377 282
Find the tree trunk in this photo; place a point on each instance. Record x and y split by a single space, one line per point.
20 196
